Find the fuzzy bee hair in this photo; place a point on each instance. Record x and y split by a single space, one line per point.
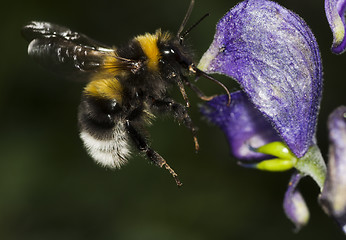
125 87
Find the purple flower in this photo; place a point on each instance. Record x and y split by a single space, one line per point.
243 124
270 124
333 197
274 56
335 11
294 204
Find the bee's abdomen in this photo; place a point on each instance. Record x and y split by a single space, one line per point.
111 152
103 132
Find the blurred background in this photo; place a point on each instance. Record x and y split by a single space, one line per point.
51 189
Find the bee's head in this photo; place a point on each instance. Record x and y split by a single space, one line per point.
172 49
175 57
175 53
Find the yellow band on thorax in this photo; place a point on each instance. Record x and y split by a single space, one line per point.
148 43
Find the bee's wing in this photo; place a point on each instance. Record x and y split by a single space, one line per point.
66 52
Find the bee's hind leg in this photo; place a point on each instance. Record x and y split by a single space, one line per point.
143 146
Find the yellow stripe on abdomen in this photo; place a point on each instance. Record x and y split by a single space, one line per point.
106 88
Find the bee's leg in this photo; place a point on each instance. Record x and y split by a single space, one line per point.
183 92
199 92
143 146
179 112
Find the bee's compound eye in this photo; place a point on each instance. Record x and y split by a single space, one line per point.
169 51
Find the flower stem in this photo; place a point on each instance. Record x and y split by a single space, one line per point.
312 164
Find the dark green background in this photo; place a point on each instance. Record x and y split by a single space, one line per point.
51 189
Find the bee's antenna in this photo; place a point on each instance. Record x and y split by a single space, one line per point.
198 72
181 37
186 18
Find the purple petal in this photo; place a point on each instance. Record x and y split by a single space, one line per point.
333 196
244 126
294 203
274 56
335 11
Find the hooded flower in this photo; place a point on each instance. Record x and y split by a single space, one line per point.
273 55
335 11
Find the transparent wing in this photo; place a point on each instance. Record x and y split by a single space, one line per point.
66 52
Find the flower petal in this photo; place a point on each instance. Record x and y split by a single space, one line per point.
274 56
244 126
333 197
294 203
335 11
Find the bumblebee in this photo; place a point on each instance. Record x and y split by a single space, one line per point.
126 86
